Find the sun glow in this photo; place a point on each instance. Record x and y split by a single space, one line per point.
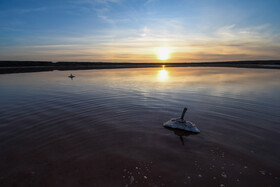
163 53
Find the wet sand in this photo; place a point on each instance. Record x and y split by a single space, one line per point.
104 128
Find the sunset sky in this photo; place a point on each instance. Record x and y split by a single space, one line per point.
135 30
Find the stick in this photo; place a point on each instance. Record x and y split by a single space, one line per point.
183 113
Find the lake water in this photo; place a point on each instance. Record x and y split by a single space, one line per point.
104 128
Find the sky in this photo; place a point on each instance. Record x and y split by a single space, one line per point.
134 30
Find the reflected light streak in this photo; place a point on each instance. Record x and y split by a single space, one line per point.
163 74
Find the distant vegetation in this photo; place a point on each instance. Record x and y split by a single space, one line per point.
34 66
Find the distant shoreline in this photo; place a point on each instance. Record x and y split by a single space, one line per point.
37 66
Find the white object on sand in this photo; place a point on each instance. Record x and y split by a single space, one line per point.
180 123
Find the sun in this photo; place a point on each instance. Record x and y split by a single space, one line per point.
163 53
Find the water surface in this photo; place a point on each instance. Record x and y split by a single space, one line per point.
104 128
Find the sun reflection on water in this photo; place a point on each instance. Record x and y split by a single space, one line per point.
162 74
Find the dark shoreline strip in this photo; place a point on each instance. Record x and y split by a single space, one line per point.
37 66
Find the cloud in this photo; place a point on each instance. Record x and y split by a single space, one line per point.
231 32
146 32
108 1
102 8
150 1
229 42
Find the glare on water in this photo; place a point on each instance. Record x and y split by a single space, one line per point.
163 74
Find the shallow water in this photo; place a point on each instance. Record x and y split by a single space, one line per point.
104 128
